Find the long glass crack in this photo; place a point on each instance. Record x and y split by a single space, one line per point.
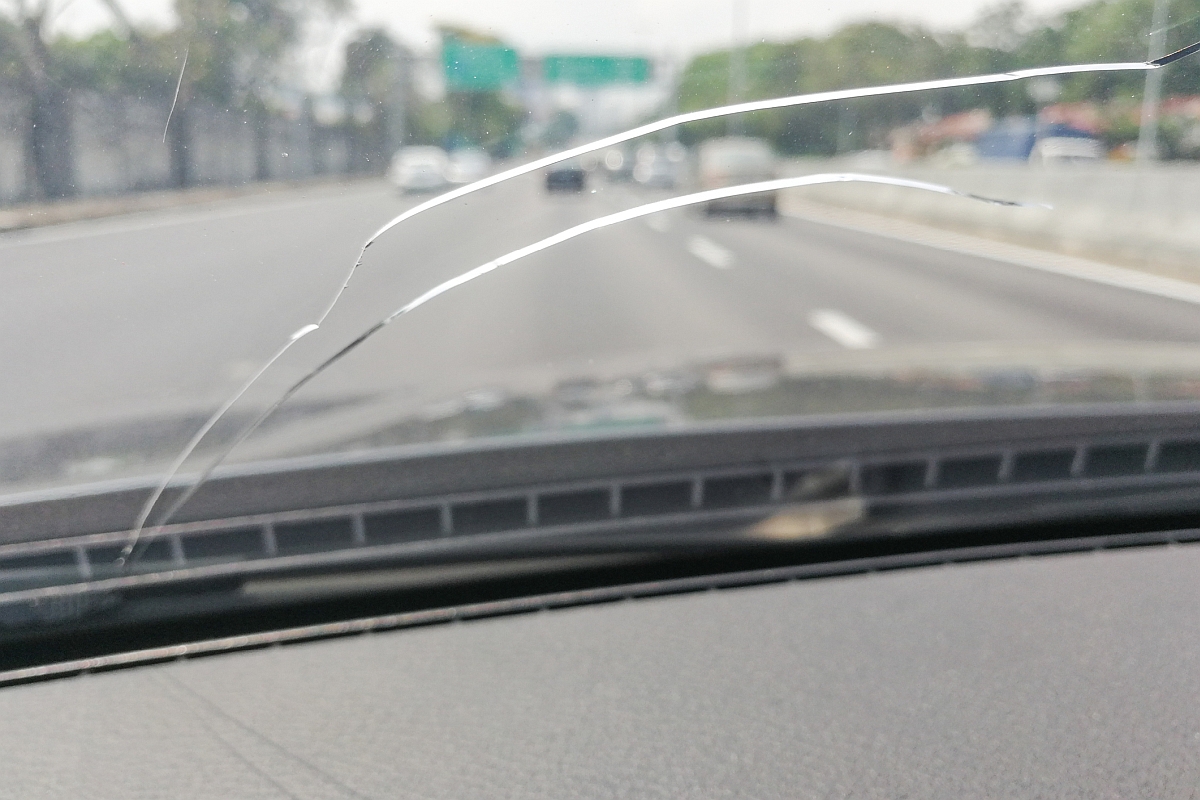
130 551
175 99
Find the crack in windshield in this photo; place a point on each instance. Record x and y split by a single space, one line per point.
175 99
131 550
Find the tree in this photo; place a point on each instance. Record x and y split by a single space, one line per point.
235 50
48 134
855 55
376 87
1005 37
560 130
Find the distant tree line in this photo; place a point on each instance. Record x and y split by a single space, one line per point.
236 55
239 53
239 56
1006 37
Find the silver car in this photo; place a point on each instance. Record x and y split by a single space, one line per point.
419 169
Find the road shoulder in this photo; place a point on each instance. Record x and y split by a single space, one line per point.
942 239
38 215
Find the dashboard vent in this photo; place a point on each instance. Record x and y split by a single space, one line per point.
729 496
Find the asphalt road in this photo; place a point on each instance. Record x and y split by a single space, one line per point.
166 314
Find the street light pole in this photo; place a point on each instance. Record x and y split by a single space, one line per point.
1147 144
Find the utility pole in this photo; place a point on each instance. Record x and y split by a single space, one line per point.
735 125
1147 144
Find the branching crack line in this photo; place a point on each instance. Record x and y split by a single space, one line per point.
175 100
199 435
1171 27
543 244
128 552
1170 58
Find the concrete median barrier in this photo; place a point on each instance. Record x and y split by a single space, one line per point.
1117 213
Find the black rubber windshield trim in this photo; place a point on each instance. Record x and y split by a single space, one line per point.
608 594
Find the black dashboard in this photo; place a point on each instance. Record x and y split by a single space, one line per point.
1056 676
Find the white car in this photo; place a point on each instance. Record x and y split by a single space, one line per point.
419 169
468 165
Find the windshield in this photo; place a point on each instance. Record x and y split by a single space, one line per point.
241 231
735 155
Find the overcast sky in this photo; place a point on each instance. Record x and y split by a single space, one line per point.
653 27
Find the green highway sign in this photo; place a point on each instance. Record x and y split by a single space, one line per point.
469 66
596 70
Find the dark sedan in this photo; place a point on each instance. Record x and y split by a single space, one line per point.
569 176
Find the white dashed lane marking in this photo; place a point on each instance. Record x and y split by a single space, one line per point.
844 330
710 252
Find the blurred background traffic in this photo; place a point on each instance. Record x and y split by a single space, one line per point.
284 89
293 129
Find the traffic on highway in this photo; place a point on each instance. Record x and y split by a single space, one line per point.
816 290
324 318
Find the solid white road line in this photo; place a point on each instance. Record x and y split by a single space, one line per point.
1043 260
710 252
842 329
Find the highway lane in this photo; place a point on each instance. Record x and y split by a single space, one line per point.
912 293
153 312
171 311
166 314
643 288
644 296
